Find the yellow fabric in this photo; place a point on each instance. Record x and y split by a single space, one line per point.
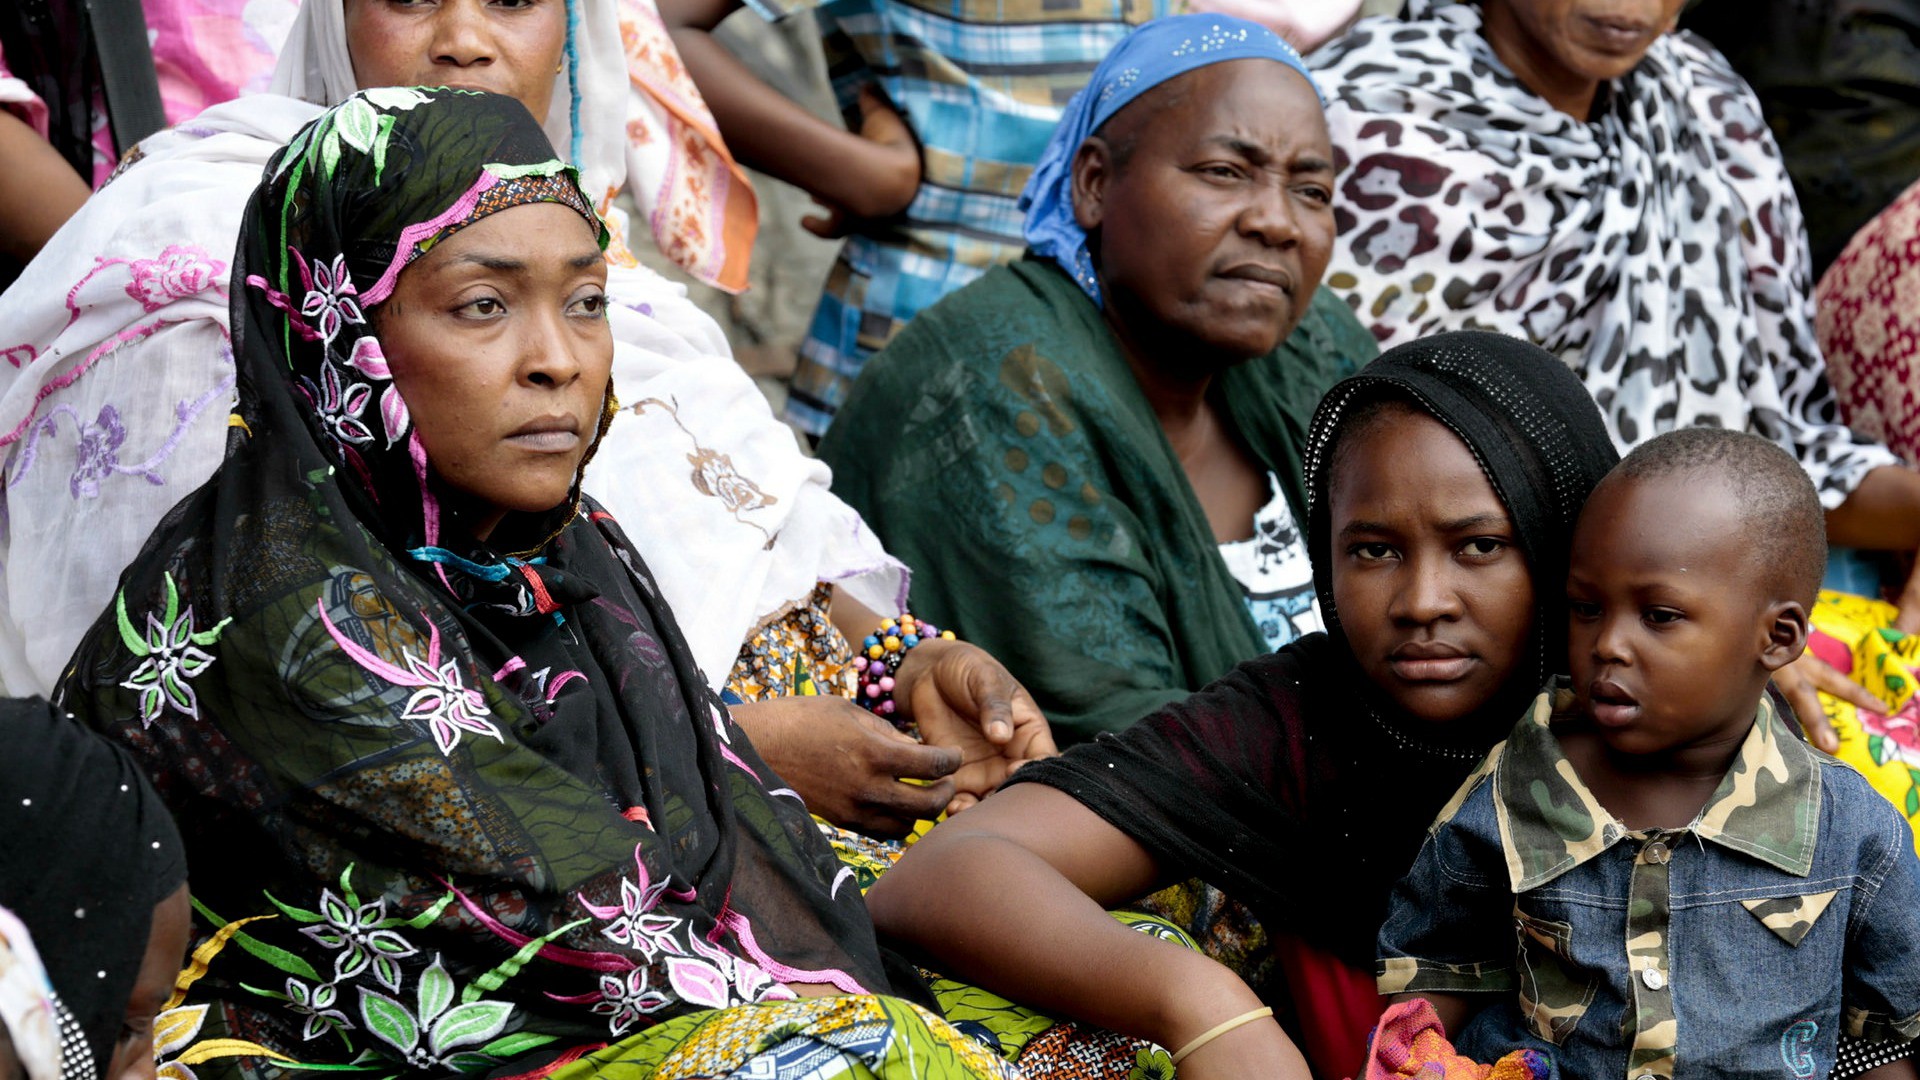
1856 635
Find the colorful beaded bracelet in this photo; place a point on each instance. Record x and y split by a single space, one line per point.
881 655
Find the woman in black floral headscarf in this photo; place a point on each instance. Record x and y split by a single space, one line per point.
392 671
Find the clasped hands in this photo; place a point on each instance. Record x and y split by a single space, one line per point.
851 767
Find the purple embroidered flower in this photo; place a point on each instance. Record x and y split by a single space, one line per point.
97 452
329 302
361 942
179 272
341 404
19 355
626 998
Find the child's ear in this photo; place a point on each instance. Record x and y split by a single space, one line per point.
1786 634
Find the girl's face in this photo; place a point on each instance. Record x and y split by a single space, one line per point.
1431 588
499 344
510 47
167 939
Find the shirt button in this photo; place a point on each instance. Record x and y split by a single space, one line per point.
1653 978
1646 1076
1657 853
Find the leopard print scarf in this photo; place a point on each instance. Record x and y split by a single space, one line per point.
1657 248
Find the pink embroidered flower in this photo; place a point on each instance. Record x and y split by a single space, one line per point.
445 703
442 701
329 303
179 272
369 359
634 923
721 980
19 355
699 983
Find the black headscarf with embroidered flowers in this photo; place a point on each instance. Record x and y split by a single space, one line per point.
461 775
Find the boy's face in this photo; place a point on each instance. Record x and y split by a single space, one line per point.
1673 627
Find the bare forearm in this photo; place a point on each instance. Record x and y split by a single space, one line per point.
1882 514
1057 949
773 133
852 618
39 191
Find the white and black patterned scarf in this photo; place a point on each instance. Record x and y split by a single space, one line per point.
1658 248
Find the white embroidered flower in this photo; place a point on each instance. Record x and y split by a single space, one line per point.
624 999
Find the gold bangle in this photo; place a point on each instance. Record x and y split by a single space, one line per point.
1218 1030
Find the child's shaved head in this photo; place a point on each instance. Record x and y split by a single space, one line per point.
1785 526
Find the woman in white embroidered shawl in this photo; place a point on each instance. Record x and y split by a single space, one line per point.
116 381
1570 172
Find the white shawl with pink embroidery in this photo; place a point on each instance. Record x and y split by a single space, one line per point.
116 383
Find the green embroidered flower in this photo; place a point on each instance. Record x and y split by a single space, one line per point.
170 656
1151 1063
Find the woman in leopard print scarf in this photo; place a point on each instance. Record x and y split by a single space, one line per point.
1570 172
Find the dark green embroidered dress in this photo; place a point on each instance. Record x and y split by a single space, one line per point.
1001 447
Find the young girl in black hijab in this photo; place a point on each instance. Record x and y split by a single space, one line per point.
1443 484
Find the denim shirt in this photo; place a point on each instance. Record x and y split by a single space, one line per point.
1739 946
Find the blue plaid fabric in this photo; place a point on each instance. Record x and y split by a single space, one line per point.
983 84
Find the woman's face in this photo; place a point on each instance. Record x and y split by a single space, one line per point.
499 344
1212 197
510 47
1589 40
1428 578
166 953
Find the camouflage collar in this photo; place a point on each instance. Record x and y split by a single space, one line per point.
1767 806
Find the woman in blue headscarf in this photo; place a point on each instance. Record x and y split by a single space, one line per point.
1112 428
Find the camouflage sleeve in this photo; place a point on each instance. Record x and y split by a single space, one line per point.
1449 927
1881 991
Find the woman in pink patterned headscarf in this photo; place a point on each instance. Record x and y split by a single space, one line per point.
1868 320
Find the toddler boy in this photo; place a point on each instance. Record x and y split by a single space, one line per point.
1654 876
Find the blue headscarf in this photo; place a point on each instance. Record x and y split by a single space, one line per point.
1157 51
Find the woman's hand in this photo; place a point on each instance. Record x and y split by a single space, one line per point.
846 763
1802 681
965 700
883 178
